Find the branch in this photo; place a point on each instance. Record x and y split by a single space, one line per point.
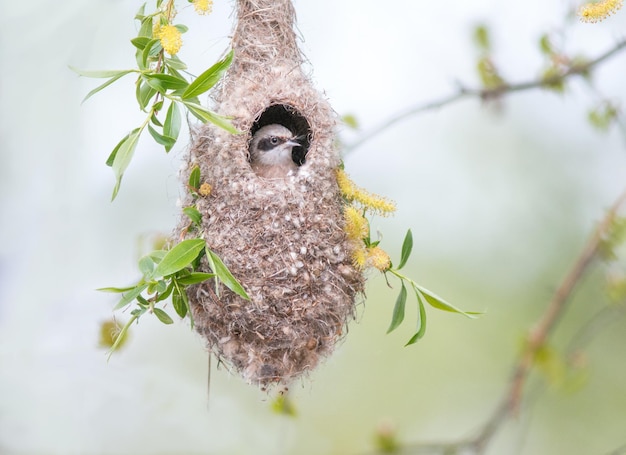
537 338
485 94
544 327
539 334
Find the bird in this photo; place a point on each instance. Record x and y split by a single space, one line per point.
270 152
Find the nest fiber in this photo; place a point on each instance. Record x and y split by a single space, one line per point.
283 239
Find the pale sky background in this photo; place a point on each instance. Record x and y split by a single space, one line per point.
500 204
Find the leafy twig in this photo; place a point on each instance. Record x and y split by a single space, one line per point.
168 273
159 81
575 69
422 296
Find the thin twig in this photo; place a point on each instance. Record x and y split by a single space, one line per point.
538 337
543 328
489 93
539 334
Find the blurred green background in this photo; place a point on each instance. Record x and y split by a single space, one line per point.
500 202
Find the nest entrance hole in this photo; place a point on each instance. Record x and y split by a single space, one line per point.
289 117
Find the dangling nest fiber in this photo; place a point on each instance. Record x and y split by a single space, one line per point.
283 239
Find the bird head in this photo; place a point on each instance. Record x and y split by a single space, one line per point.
272 145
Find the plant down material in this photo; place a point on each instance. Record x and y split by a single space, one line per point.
284 240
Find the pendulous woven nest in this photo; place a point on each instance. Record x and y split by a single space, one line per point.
282 239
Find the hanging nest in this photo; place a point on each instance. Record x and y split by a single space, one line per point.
283 239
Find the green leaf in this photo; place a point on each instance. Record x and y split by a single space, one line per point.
140 42
164 82
208 116
194 178
167 142
182 294
414 339
177 74
209 78
161 286
545 45
130 296
115 290
176 63
182 28
146 266
113 154
155 109
122 157
165 294
141 301
163 316
398 310
173 120
99 73
350 121
141 12
224 275
283 405
106 84
179 257
157 255
144 94
554 78
152 49
193 214
407 247
421 319
139 59
119 339
603 116
146 27
178 303
437 302
481 37
194 278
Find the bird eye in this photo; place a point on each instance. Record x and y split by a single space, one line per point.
274 140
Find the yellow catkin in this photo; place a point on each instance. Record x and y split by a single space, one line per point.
203 6
359 255
596 12
171 39
156 27
378 258
356 225
372 202
205 189
346 186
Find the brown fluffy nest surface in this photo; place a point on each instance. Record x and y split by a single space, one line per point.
282 239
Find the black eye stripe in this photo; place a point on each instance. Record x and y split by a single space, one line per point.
268 143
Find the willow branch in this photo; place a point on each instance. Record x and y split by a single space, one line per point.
575 69
546 324
544 327
538 337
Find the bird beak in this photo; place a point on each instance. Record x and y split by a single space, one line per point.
293 143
